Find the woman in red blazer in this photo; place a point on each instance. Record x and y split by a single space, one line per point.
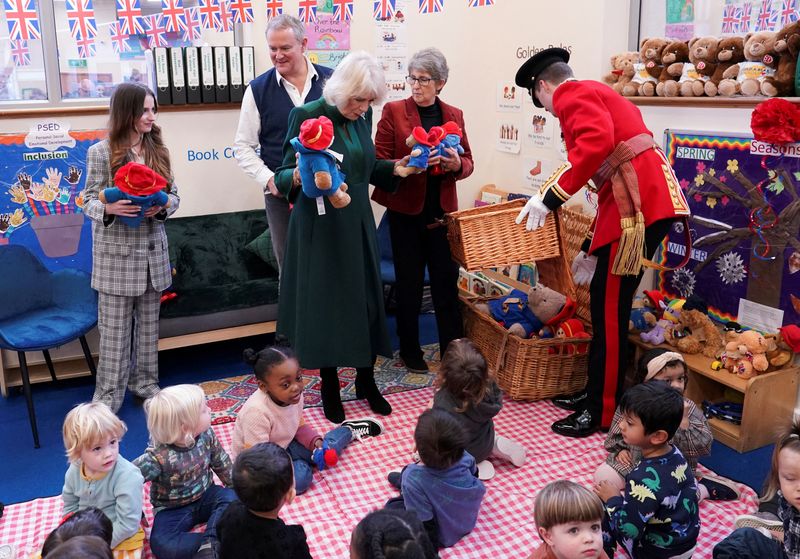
415 209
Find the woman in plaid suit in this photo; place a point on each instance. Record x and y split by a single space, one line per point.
130 265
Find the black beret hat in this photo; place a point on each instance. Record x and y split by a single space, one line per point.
526 75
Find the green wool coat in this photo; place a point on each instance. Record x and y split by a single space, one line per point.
331 294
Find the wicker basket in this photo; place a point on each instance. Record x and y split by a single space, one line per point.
488 237
531 369
573 226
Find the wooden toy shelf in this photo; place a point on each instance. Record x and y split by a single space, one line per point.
769 399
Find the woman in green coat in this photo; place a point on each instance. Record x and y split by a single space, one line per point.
331 295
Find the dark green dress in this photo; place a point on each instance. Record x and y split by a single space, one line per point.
331 296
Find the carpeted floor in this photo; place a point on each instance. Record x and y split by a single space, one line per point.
226 396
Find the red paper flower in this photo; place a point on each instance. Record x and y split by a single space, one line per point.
776 121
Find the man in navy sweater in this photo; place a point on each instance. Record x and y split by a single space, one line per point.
264 117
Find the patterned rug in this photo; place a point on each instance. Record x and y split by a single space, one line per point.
227 395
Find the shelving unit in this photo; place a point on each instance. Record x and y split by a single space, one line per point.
769 399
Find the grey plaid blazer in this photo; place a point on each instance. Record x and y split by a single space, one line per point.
121 255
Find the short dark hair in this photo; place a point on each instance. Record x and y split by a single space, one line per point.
392 534
658 406
263 361
90 521
556 73
262 476
464 374
440 439
85 547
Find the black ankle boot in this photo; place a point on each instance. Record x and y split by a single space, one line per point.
331 398
366 388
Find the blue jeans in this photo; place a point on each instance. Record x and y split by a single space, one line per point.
170 537
337 439
749 543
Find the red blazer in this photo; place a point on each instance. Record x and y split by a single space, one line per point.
594 119
398 118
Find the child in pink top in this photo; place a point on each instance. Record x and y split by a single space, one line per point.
274 413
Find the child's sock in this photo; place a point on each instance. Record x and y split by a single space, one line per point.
485 470
509 450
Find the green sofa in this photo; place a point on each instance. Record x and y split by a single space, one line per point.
218 282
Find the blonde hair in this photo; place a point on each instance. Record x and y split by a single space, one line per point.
88 424
562 501
173 413
790 440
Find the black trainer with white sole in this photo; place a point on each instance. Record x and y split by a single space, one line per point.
364 427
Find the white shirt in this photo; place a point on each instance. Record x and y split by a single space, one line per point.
246 141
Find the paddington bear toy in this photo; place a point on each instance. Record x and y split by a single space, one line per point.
423 145
139 184
319 166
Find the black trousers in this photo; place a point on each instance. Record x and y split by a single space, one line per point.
611 300
414 246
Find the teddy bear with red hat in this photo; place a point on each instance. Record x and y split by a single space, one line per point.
139 184
573 328
318 165
452 138
423 145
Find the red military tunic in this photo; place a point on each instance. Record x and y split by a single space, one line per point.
594 119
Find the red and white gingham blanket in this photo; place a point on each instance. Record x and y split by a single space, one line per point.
341 496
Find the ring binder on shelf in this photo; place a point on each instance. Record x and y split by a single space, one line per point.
235 73
208 88
177 76
221 74
248 65
161 71
192 63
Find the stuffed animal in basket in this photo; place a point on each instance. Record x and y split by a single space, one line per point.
746 77
730 52
753 348
787 47
573 328
704 337
621 70
673 57
525 314
139 184
319 166
423 145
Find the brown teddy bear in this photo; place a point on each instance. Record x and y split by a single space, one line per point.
746 77
705 338
703 56
621 70
730 51
647 70
673 57
753 347
787 45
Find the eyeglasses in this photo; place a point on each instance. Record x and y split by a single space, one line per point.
410 80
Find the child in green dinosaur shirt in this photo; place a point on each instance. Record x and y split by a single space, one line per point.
656 517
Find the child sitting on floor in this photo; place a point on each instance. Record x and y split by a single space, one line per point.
443 489
656 517
783 480
274 413
82 547
693 436
183 454
90 521
99 477
391 534
250 527
569 520
468 392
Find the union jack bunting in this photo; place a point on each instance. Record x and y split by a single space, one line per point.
20 53
729 19
430 6
155 30
129 15
480 3
193 30
86 47
242 11
766 18
745 14
308 11
174 15
22 20
225 16
274 8
384 9
342 10
789 12
119 40
209 13
80 16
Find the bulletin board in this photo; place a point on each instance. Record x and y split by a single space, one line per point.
744 196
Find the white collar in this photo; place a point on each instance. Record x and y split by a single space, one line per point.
312 72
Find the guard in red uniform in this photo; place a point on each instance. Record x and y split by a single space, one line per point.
610 150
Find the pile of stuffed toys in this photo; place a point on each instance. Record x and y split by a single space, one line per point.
761 63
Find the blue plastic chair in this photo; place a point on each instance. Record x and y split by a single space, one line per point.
42 310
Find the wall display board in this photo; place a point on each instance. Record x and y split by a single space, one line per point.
42 177
745 201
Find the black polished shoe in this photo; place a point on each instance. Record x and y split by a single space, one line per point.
415 364
572 402
579 424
